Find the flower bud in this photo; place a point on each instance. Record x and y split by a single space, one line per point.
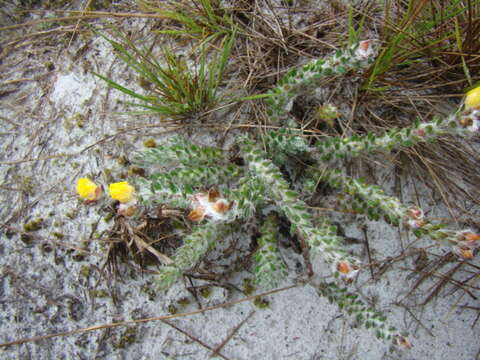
211 205
415 217
415 213
464 252
197 214
347 270
365 50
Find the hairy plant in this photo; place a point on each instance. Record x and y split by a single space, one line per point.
220 192
427 56
269 266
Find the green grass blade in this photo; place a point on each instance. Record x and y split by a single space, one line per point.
113 84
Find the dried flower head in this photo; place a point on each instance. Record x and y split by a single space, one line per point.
403 341
221 206
347 270
467 244
210 205
365 50
88 190
213 194
122 191
197 214
467 235
127 210
464 252
414 217
470 119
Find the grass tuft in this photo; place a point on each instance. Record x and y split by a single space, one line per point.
174 88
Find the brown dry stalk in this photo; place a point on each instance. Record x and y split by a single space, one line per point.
197 340
88 3
88 15
140 321
232 333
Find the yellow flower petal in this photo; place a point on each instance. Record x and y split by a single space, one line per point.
122 191
87 189
473 98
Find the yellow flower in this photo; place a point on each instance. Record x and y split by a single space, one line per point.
473 98
122 191
88 190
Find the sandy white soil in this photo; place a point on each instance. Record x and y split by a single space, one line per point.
45 288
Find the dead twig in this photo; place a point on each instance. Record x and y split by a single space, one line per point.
197 340
367 245
233 332
415 318
445 279
427 273
87 5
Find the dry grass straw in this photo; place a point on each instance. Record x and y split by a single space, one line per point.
274 40
152 241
